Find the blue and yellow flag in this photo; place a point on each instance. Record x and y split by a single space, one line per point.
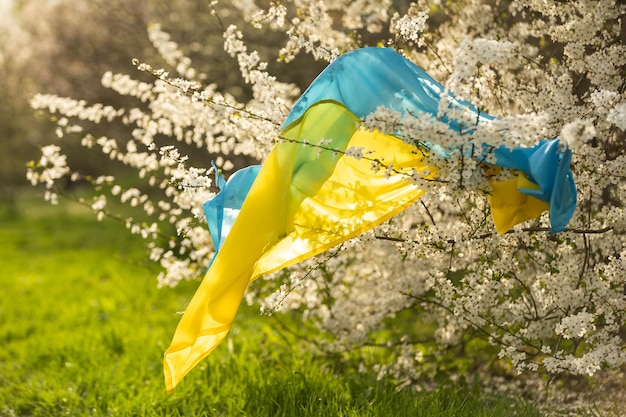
306 199
301 204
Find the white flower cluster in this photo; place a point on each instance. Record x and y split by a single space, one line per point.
411 25
271 99
51 166
170 51
436 279
355 152
617 116
275 15
475 69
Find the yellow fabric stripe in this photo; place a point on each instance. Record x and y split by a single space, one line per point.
303 202
509 206
351 201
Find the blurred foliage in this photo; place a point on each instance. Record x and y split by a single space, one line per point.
65 47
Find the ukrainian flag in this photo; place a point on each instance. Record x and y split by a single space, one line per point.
306 198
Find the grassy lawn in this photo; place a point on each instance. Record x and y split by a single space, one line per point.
83 329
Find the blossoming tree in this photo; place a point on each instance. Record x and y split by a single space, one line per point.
436 281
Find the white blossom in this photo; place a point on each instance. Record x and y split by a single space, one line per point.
543 68
410 27
618 116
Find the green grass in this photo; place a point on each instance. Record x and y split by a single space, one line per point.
83 329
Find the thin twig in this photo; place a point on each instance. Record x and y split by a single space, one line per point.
486 235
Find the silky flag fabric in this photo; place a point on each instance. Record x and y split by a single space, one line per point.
545 176
509 206
222 210
365 79
304 201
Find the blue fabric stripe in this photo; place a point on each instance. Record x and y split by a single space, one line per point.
221 210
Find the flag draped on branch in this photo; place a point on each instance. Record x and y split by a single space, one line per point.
317 188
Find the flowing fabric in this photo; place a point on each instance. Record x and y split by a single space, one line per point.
306 199
222 210
546 171
303 202
365 79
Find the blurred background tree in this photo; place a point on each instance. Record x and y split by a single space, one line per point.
64 48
